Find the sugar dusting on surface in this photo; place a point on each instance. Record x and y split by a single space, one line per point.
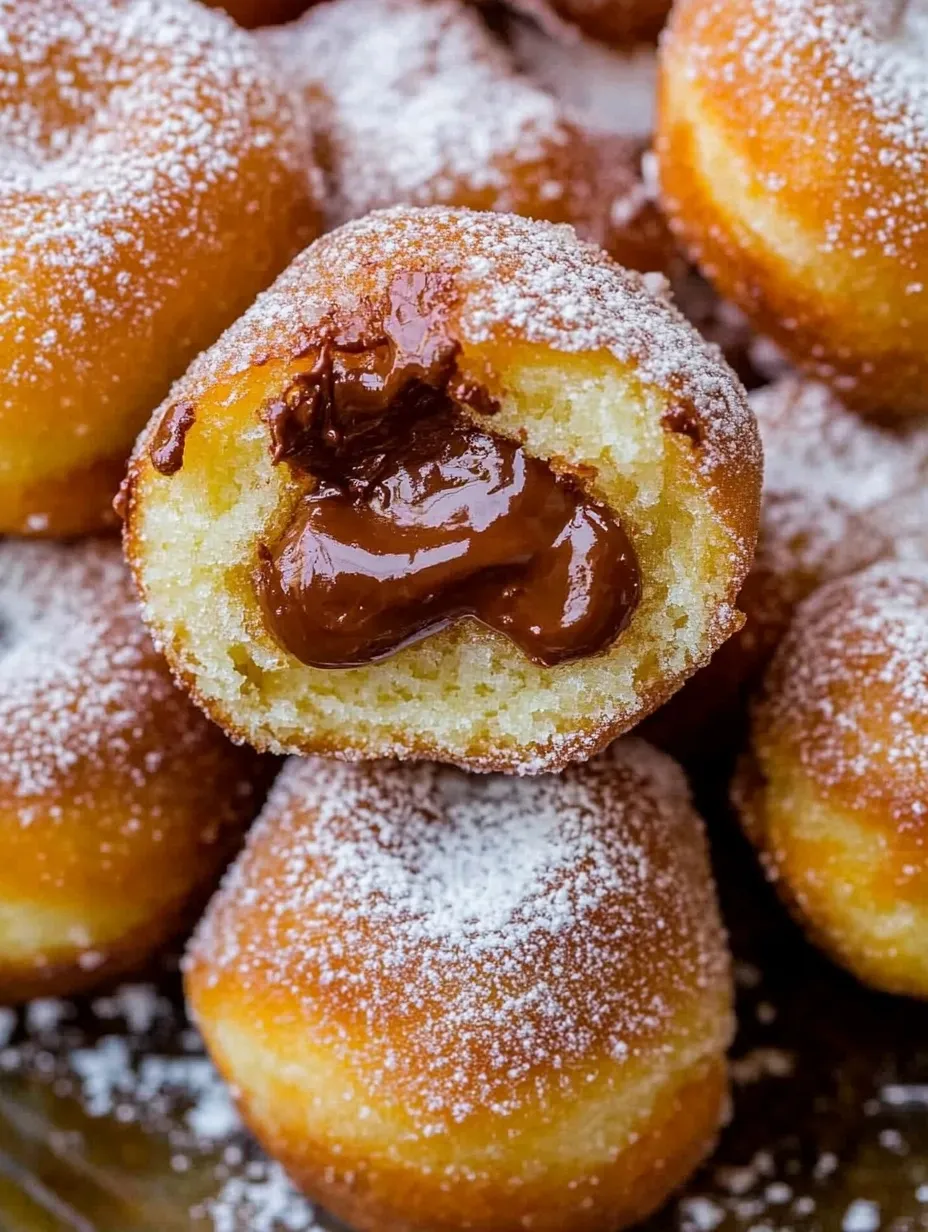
849 688
475 910
608 91
77 671
825 471
417 102
517 278
114 117
127 1058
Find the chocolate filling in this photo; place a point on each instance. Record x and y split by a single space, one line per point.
420 517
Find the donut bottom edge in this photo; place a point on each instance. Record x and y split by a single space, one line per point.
851 880
405 1182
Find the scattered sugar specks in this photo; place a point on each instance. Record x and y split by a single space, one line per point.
861 1216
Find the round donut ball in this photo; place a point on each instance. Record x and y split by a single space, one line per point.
550 348
152 181
839 494
119 803
450 1001
834 789
416 102
793 153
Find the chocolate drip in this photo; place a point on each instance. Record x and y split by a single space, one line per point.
421 518
170 437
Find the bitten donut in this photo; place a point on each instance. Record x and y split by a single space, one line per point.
152 181
839 494
834 790
793 155
415 102
119 802
450 1001
457 487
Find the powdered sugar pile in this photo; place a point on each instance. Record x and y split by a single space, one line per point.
606 90
477 909
417 101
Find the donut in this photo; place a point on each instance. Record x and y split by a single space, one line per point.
542 487
839 495
152 181
834 787
415 102
119 803
251 13
451 1001
793 154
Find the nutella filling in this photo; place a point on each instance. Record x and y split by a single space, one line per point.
420 517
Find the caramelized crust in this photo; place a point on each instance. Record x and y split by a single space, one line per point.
552 346
833 790
152 181
449 1001
119 802
793 151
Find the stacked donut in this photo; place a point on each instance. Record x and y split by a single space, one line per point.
446 511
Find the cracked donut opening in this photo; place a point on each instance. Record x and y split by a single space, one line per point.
419 517
441 381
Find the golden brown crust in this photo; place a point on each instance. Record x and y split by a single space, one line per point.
826 254
119 803
124 257
516 293
387 929
833 789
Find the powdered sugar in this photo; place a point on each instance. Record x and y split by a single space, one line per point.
480 906
849 688
417 103
825 469
76 669
606 90
515 278
116 119
857 71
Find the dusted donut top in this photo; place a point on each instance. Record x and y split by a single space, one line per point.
456 937
848 692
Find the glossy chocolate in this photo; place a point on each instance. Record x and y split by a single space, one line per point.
167 444
421 517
